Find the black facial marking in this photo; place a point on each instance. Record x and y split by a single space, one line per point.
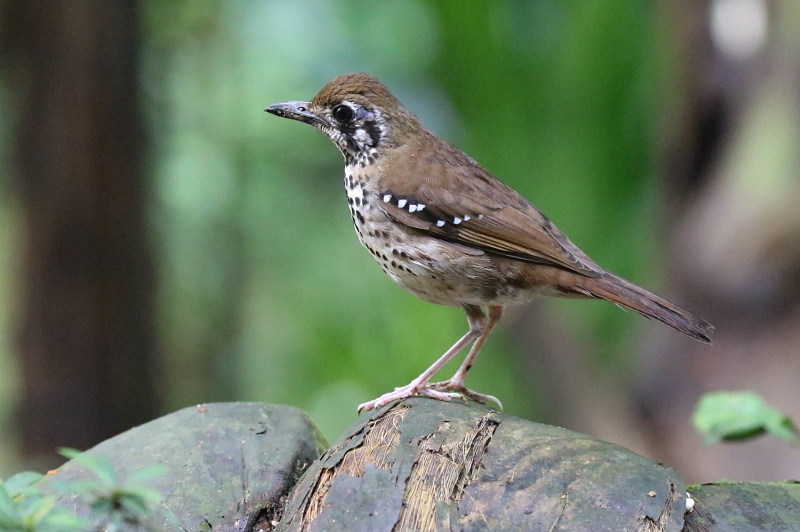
374 132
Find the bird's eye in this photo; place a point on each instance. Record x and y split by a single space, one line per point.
342 113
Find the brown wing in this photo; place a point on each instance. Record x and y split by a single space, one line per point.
452 197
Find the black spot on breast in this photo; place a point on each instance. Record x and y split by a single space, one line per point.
360 216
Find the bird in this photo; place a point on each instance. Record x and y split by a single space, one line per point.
445 229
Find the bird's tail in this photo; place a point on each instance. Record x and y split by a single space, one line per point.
624 293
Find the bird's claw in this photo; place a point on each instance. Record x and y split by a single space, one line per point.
443 391
407 391
461 390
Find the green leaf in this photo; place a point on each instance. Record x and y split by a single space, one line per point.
9 520
734 416
69 452
9 524
17 484
133 504
41 511
62 520
103 506
99 465
8 512
148 495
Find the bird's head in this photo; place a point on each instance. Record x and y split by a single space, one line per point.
357 112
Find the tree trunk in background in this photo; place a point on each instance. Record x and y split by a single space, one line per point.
86 334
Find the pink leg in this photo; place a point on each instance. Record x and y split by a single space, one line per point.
477 326
456 382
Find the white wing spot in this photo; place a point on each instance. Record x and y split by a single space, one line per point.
420 206
412 208
457 220
440 223
480 217
466 218
387 198
401 203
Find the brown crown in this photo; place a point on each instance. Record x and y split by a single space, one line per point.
357 87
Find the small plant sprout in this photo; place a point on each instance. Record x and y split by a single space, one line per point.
24 508
117 504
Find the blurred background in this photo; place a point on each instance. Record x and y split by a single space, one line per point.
164 242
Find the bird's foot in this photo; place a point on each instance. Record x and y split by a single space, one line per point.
407 391
457 388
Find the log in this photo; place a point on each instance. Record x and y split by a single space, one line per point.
418 464
427 465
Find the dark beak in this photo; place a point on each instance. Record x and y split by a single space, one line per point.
296 111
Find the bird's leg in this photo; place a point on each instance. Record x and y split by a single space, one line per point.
456 382
477 324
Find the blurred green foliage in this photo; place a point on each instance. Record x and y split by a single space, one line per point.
265 293
25 508
115 504
736 416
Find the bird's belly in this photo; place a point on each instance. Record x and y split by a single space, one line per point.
439 272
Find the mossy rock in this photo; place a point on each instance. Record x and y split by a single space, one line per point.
228 466
745 506
420 465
